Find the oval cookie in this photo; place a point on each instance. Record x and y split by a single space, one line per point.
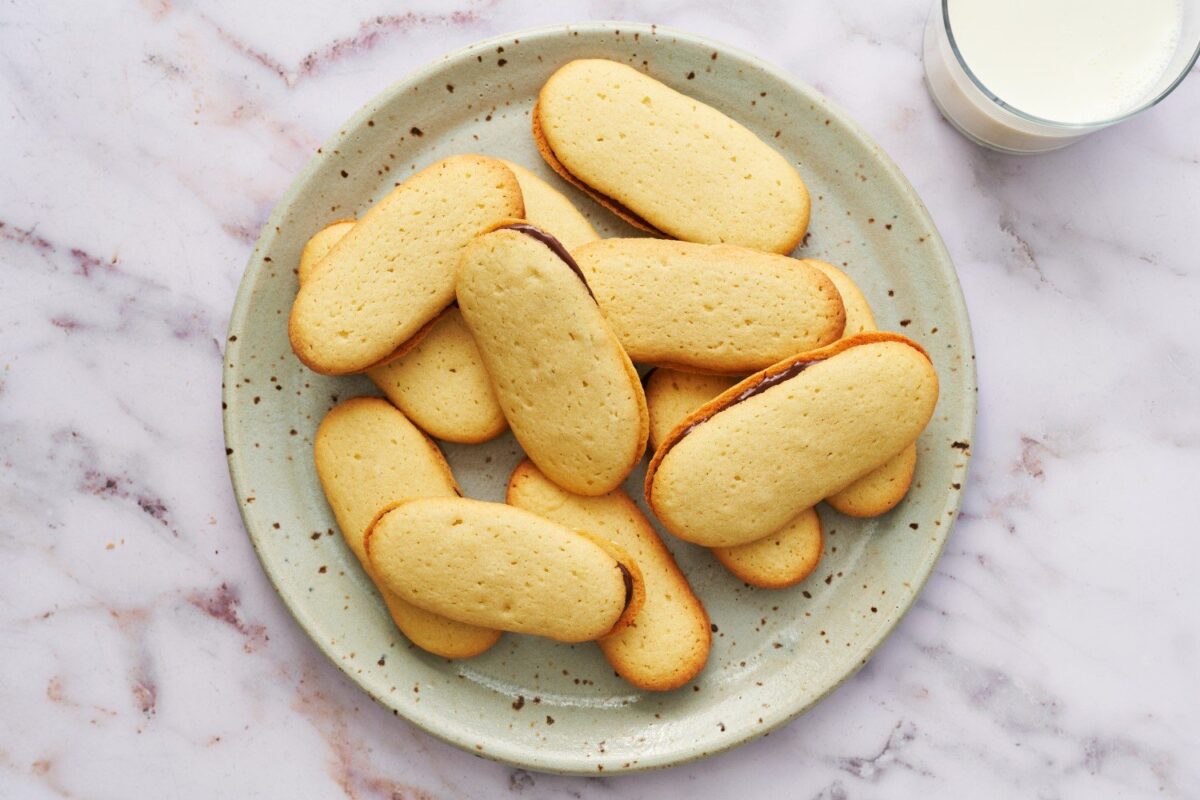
748 462
394 271
666 162
438 381
672 395
568 390
368 456
319 246
496 566
710 308
549 209
668 644
782 559
880 491
442 386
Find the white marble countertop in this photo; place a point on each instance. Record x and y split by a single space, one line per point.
1054 653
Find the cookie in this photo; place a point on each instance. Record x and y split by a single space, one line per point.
320 244
394 271
549 209
568 390
745 464
438 381
368 456
782 559
496 566
669 641
442 386
710 308
880 491
665 162
859 318
672 395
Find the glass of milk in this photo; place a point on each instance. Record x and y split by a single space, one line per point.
1028 76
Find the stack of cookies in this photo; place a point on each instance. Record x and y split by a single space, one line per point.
479 299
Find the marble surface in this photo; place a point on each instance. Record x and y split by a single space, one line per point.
142 652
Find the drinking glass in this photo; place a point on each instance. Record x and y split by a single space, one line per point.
988 120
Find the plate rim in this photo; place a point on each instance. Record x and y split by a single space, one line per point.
518 756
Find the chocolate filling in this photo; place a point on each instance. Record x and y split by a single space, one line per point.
620 208
628 577
553 244
768 382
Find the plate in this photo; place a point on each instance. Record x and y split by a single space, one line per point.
532 702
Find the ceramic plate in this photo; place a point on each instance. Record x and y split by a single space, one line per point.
533 702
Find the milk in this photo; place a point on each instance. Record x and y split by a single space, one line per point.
1070 65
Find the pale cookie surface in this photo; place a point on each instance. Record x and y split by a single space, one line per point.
672 395
786 557
745 464
442 386
319 246
859 318
676 164
880 491
782 559
669 641
439 382
568 390
394 271
550 210
369 456
710 308
493 565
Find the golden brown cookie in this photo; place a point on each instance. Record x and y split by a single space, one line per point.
438 379
668 643
710 308
395 270
319 246
568 390
666 162
782 559
496 566
368 456
746 463
671 395
442 386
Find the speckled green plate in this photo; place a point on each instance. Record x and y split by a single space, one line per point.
533 702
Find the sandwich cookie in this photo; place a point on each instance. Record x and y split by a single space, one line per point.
665 162
319 246
710 308
567 388
496 566
668 643
439 383
368 456
746 463
386 279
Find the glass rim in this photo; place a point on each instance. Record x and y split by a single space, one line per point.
1153 101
